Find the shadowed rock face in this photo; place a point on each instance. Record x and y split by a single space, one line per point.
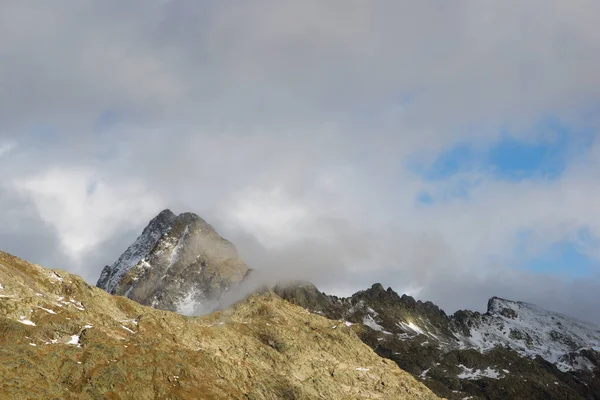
514 350
178 263
61 338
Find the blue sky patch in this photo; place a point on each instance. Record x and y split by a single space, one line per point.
512 159
544 155
562 259
424 198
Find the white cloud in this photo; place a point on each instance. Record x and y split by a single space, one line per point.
290 125
83 209
269 215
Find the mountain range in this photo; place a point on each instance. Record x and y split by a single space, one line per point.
178 281
514 350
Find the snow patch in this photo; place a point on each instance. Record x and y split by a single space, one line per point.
370 322
472 374
54 277
25 321
77 305
412 330
74 340
127 329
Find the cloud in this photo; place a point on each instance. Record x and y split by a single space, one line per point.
81 211
294 127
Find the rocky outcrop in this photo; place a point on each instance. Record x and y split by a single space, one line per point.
64 339
178 263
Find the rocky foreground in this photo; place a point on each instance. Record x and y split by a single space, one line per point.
61 338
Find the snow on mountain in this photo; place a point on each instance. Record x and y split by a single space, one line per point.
513 350
474 374
531 331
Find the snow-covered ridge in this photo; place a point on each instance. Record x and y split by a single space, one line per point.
531 331
525 328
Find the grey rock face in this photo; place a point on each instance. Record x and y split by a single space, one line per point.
112 274
178 263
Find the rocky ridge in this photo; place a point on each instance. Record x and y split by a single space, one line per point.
514 350
62 338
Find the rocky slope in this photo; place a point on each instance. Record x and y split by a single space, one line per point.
514 350
178 263
61 338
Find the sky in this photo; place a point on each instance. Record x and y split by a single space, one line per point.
448 150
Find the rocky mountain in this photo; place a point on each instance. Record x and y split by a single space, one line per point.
515 350
61 338
178 263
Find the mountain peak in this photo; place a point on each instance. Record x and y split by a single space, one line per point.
508 308
177 263
166 213
377 287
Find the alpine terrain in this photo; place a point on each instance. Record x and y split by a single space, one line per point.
61 338
514 350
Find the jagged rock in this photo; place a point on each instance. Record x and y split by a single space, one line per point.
61 338
178 263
